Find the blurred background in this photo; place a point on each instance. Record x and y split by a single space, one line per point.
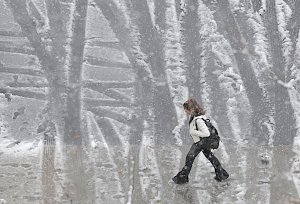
92 93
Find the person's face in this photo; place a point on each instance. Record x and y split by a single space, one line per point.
188 111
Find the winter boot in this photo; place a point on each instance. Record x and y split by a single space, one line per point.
180 179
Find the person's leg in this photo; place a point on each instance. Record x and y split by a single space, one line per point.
221 174
182 176
190 158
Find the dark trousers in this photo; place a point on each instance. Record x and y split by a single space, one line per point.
193 153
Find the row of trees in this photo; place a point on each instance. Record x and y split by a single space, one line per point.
173 41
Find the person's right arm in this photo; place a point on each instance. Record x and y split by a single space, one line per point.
202 131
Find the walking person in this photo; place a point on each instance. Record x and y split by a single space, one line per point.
200 133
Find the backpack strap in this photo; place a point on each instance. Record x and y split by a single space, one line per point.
196 124
205 120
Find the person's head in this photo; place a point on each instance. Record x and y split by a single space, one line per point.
193 108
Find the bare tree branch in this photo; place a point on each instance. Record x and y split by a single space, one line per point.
116 95
98 61
27 24
23 48
111 136
24 93
11 33
35 12
26 85
101 112
99 43
91 102
102 86
24 71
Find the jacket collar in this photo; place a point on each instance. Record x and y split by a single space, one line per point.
193 117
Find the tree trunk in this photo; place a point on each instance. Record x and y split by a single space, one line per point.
285 129
192 48
284 118
73 129
218 99
61 102
152 46
144 86
228 26
293 28
76 179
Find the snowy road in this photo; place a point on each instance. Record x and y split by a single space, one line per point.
21 180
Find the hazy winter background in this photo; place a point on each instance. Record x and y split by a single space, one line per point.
92 93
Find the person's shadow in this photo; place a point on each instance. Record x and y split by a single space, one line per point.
187 193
